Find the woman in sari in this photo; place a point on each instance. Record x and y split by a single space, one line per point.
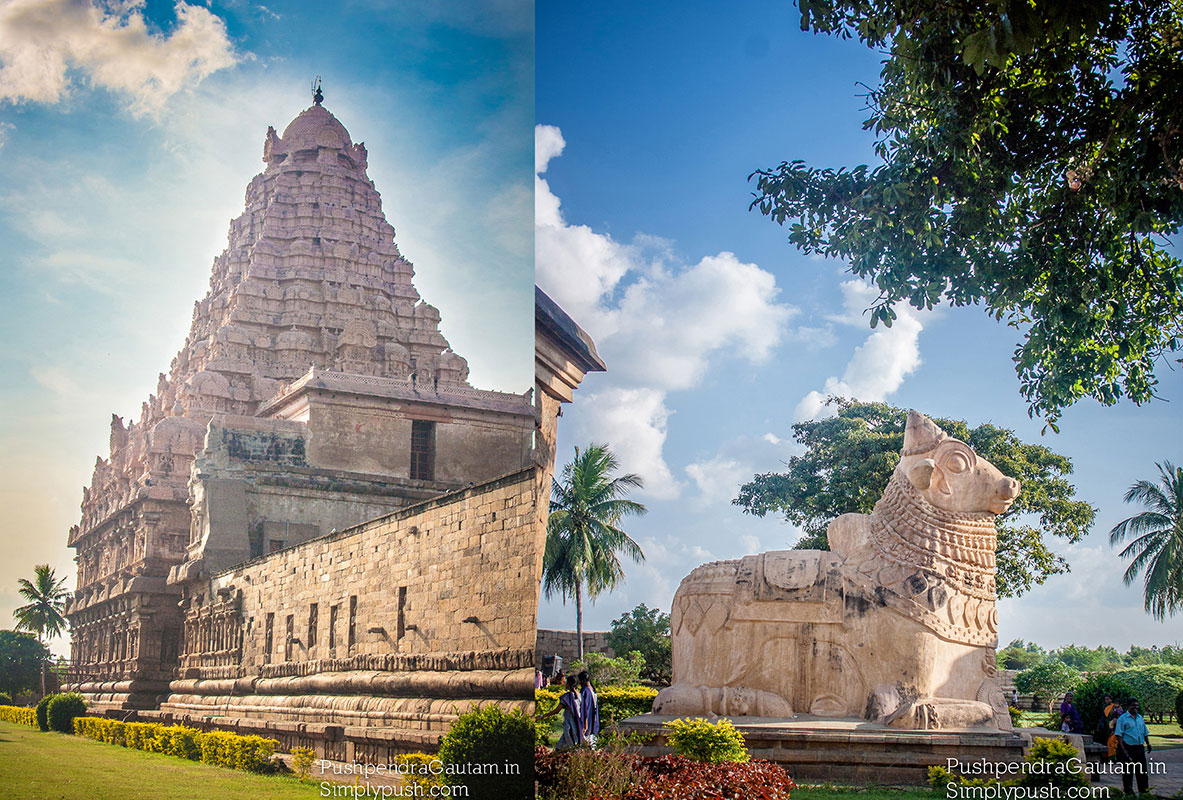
569 703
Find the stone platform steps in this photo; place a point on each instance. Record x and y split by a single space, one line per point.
850 750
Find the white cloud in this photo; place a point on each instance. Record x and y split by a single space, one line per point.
660 325
718 479
879 365
634 422
43 41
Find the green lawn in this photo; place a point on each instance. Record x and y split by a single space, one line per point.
54 766
1163 735
1166 736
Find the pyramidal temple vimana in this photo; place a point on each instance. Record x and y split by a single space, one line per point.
317 528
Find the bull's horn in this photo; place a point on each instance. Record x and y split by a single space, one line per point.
921 434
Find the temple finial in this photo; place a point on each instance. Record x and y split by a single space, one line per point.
317 94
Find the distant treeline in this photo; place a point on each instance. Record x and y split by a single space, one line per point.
1024 655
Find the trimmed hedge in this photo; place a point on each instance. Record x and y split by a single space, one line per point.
616 702
490 735
62 710
43 713
702 740
221 748
19 715
1156 686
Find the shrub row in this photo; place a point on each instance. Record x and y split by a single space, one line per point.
19 715
222 748
616 702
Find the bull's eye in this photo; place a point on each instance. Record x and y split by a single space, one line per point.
957 463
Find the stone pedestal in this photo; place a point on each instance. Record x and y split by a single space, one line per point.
849 750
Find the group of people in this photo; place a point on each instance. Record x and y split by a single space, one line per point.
1123 730
581 711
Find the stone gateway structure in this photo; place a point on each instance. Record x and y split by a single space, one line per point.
895 625
316 520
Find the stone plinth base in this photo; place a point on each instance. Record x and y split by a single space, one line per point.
112 696
850 750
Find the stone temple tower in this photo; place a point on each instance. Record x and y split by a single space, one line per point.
314 391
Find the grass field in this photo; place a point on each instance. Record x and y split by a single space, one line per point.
55 766
1163 735
828 792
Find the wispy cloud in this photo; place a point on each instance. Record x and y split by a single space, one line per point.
879 365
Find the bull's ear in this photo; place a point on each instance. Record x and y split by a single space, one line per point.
920 475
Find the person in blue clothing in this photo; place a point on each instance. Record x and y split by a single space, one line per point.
1133 743
1069 716
569 704
589 707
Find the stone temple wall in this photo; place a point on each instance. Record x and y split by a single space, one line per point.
369 641
565 644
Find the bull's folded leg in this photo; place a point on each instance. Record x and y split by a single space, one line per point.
934 713
681 700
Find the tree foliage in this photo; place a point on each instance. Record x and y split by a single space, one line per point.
1047 680
849 459
1021 655
1155 686
583 534
622 670
21 657
647 631
42 615
1084 659
1032 163
1089 697
1155 540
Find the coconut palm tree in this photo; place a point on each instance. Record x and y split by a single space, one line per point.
43 614
583 535
1156 540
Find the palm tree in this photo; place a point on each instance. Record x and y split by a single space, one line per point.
43 614
1156 545
582 534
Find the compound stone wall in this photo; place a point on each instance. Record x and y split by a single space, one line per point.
565 644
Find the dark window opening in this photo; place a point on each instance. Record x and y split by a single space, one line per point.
422 450
269 639
313 612
333 626
287 650
255 539
316 240
402 612
352 621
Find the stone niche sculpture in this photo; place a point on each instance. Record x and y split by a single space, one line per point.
896 624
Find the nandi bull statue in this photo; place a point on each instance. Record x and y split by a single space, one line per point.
896 624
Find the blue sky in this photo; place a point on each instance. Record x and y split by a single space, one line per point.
128 134
718 334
